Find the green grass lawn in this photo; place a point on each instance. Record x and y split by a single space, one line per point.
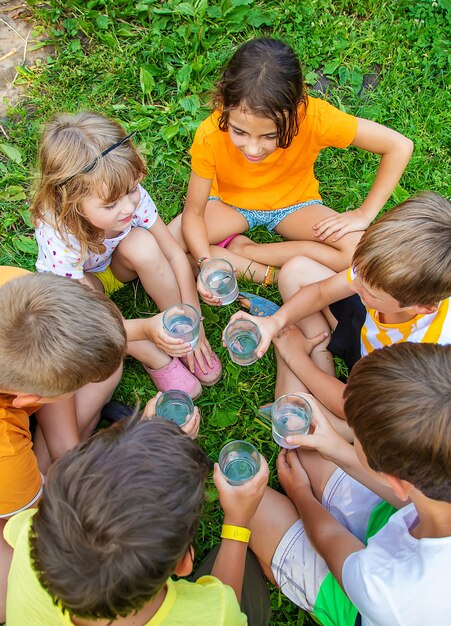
152 64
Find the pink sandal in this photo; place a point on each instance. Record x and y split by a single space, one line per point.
175 375
213 373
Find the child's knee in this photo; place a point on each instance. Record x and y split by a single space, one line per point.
140 247
295 274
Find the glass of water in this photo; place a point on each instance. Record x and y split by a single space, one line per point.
175 406
182 321
219 279
242 338
291 414
239 461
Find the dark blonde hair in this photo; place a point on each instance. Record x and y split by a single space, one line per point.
406 253
264 75
70 143
398 401
57 335
117 515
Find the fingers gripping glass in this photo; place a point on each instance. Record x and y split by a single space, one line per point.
91 165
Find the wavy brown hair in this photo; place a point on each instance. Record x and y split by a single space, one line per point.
68 144
264 75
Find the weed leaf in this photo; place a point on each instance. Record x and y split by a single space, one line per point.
11 152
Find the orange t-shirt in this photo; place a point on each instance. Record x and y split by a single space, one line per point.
20 479
286 176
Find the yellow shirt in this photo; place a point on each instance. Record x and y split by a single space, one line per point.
286 176
207 602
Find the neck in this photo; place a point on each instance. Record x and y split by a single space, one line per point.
397 318
434 517
140 618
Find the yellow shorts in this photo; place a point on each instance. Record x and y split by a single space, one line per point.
109 281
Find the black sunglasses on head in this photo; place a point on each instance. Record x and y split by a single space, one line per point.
91 165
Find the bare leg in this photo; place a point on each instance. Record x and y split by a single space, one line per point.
247 267
89 401
274 516
147 352
139 255
295 275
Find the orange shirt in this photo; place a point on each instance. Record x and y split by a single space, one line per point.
286 176
20 479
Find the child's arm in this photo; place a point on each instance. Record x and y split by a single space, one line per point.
308 300
395 151
239 505
323 386
193 223
58 423
333 447
329 538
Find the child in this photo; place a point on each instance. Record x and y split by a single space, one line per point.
61 348
117 520
398 403
253 158
401 270
95 223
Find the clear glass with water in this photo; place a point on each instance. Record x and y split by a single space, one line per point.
291 414
218 277
182 321
242 338
239 461
176 406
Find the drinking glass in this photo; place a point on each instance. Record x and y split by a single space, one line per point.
291 414
239 461
182 321
218 277
242 338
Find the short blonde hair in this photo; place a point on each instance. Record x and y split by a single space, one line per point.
406 253
70 143
57 335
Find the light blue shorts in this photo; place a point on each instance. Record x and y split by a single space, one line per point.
270 219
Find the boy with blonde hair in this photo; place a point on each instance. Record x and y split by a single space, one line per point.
401 271
338 547
61 347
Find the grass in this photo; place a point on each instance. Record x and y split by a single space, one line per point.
152 64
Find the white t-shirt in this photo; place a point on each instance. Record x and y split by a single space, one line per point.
398 580
56 256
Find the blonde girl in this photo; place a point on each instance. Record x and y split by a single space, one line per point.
95 223
252 164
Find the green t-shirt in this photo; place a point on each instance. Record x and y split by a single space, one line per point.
207 602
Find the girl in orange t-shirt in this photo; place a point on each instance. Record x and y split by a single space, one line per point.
252 164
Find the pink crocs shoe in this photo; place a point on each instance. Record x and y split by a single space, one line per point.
213 373
175 375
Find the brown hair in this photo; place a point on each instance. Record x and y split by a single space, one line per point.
57 335
398 402
118 513
406 253
69 143
264 75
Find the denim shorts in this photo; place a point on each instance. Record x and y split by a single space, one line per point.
270 219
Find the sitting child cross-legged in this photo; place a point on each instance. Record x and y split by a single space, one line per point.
95 223
401 273
337 547
116 521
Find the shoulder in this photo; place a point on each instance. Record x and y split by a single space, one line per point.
7 273
17 527
208 597
208 127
